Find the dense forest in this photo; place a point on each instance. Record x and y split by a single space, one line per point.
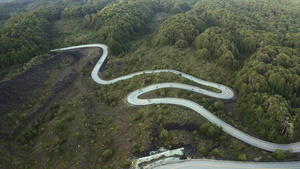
253 46
122 22
34 28
26 35
235 34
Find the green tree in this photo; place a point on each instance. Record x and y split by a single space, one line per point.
218 105
203 150
279 154
180 30
164 135
228 60
203 53
136 147
181 44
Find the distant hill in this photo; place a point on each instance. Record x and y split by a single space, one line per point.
1 1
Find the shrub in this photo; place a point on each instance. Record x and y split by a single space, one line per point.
215 152
78 136
218 105
136 147
164 135
203 150
242 157
279 154
107 142
126 164
138 117
59 125
182 44
107 154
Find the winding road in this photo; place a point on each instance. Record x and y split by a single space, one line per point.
226 93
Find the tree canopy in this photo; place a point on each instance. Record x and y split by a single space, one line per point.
26 35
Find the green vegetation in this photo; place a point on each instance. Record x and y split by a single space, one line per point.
279 154
243 157
107 154
180 30
26 35
269 82
53 114
211 130
120 23
83 10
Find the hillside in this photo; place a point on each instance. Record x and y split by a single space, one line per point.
53 114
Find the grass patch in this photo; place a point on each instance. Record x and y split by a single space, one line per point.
71 32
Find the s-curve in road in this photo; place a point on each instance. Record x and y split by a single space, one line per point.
217 164
226 93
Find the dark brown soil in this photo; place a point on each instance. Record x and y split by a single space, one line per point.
27 88
27 85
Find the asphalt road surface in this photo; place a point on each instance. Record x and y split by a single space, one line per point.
217 164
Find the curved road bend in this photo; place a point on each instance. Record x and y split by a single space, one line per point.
226 93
